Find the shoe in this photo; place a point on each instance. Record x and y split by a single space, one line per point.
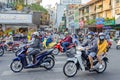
100 67
91 69
29 65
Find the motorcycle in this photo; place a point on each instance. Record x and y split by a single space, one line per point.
118 45
50 45
1 49
14 46
109 44
58 48
44 59
80 61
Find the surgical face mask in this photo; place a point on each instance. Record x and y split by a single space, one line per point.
102 37
89 36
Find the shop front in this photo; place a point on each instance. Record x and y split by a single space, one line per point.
18 24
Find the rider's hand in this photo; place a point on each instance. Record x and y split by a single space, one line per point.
87 48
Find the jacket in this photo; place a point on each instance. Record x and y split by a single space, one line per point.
102 48
92 44
35 44
67 39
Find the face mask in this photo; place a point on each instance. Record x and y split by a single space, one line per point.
89 36
102 37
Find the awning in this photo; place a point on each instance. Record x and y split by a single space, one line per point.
100 26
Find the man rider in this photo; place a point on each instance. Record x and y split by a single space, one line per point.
33 48
66 41
91 48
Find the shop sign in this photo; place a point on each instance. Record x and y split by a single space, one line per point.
66 2
109 22
15 18
99 21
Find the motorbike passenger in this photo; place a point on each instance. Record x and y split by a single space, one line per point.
102 47
66 41
49 39
33 48
91 48
75 39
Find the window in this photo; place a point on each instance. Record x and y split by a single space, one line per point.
117 1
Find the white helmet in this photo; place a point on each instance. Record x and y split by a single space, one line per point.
101 34
36 33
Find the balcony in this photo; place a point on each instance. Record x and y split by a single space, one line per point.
117 5
99 10
107 7
117 11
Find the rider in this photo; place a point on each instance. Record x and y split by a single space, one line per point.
33 48
91 48
9 40
102 47
66 41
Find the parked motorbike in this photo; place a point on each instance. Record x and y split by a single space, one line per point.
1 49
118 45
44 59
58 48
80 61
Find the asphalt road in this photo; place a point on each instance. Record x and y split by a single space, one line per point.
112 72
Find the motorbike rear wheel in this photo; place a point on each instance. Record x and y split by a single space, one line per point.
51 62
104 64
1 51
70 69
16 66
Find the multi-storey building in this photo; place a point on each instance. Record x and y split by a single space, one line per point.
106 9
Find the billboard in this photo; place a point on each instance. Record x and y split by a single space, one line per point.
117 19
15 18
66 2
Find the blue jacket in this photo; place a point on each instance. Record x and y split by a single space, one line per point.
92 44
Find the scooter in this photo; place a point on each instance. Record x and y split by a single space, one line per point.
44 59
118 45
80 61
14 47
58 48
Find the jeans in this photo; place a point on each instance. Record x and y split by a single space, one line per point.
33 52
64 45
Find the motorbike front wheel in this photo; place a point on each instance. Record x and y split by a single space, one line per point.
55 51
118 47
50 62
1 51
70 69
16 66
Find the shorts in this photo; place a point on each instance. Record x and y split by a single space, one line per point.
92 54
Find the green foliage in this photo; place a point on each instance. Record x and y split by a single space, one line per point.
36 7
89 22
109 19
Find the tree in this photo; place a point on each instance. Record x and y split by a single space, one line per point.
36 7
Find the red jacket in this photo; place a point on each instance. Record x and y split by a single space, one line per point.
67 39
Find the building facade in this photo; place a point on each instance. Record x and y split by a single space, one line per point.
95 9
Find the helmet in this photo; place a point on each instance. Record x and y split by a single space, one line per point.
101 34
66 33
91 33
10 33
36 33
